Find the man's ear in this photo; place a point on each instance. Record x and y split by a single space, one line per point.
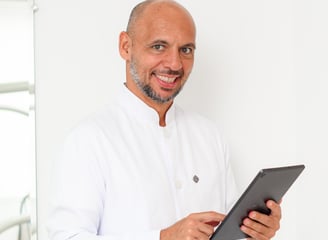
125 46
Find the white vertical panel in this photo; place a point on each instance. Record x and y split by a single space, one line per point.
17 132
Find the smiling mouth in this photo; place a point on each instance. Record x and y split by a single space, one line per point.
168 76
166 79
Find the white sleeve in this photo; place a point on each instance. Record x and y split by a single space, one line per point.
78 189
152 235
231 187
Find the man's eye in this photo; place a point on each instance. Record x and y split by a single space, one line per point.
158 47
186 50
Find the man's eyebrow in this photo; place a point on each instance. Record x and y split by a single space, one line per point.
163 42
192 45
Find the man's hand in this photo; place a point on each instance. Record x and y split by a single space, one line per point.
260 226
195 226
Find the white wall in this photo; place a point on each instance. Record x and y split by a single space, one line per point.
261 73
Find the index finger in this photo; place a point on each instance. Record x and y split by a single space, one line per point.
275 208
207 217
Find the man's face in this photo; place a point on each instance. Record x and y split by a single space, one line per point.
162 54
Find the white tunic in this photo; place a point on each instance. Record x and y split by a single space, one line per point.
122 176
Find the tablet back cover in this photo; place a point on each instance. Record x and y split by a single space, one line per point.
270 183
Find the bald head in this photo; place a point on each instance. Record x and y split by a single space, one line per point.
150 8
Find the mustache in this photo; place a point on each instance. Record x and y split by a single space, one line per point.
170 72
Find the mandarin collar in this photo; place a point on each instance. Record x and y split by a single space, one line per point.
141 111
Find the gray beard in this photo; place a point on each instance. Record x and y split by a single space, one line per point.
147 89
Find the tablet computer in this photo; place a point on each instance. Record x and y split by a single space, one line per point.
269 183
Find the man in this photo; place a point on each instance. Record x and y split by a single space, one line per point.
144 168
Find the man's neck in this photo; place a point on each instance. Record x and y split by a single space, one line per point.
160 108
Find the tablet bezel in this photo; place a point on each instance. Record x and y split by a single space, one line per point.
269 183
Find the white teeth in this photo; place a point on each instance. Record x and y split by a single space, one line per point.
166 79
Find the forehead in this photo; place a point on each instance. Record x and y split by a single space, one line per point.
167 22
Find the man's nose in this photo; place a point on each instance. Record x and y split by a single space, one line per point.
173 60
